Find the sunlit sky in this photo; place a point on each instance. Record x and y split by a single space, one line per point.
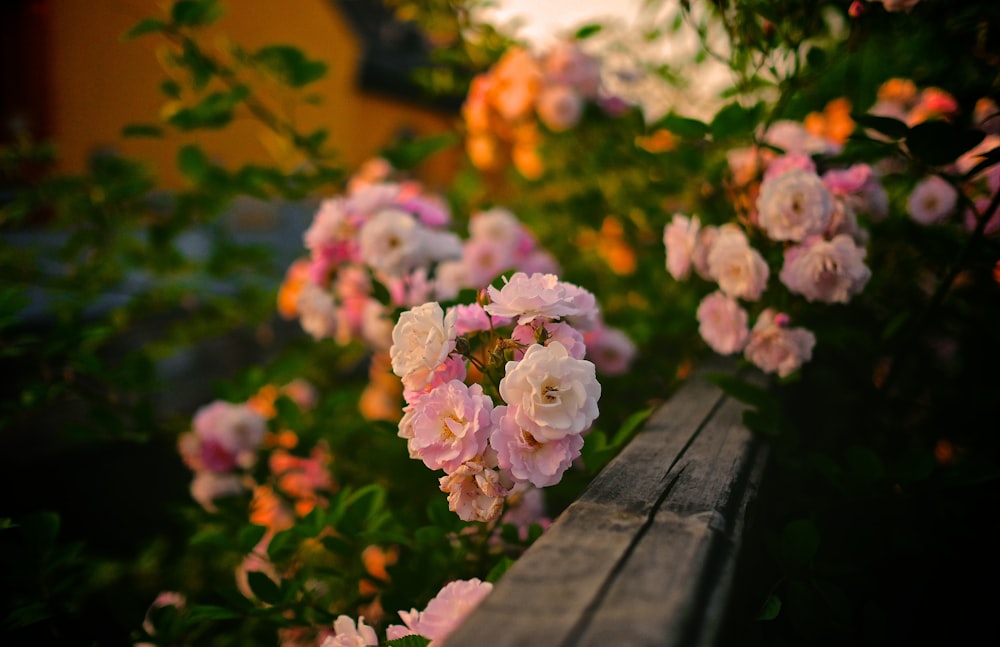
546 19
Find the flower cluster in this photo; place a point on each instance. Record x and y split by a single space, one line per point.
812 218
505 105
525 347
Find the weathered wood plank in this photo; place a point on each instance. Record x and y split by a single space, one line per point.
548 595
660 593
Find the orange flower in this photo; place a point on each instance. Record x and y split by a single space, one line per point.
898 90
268 510
834 123
291 287
262 402
614 249
659 141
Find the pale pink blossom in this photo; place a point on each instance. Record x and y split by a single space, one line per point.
680 237
164 599
228 436
830 271
432 211
707 236
449 279
545 333
207 486
256 561
526 457
932 200
610 349
588 315
376 325
745 164
559 107
525 297
452 368
444 613
332 232
897 5
793 205
350 635
792 137
484 260
971 219
776 348
566 64
450 425
789 161
538 261
317 312
722 323
472 318
738 268
475 492
525 509
551 393
421 340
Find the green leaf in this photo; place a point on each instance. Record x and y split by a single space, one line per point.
408 154
213 112
409 641
143 27
892 128
249 537
142 130
195 13
40 530
171 88
733 120
770 609
587 31
263 587
212 612
499 569
289 65
799 543
27 615
191 161
864 464
941 142
683 126
742 390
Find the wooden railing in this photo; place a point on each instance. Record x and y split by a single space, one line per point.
647 555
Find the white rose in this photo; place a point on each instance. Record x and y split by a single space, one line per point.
551 393
421 340
391 242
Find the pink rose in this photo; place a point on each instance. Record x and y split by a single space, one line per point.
831 271
722 323
680 238
793 205
932 200
450 425
738 268
775 348
527 458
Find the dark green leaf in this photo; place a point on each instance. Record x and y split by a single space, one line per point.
214 111
212 612
770 609
26 615
892 128
587 31
408 154
799 543
733 120
499 569
191 161
195 13
742 390
142 130
289 65
40 530
683 126
941 142
249 537
864 464
145 26
263 587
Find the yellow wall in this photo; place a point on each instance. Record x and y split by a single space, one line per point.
99 84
